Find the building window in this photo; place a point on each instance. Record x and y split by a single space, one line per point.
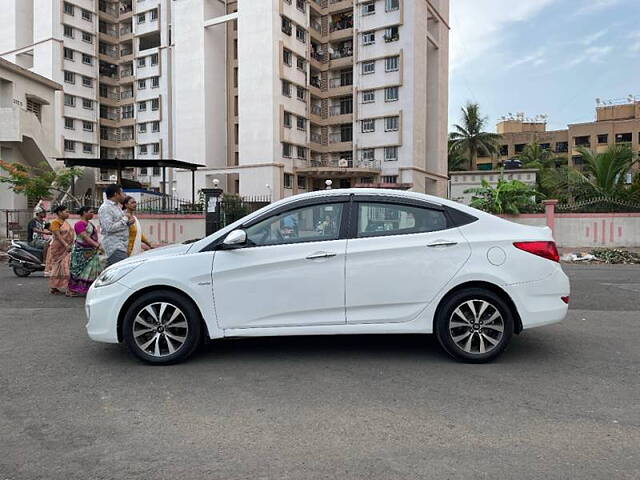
235 77
562 147
69 77
368 154
68 9
391 34
142 128
87 82
127 111
302 152
142 149
68 123
368 38
87 126
155 127
390 155
368 125
68 31
302 183
142 106
155 104
391 5
286 88
391 94
288 182
69 100
302 123
300 93
391 64
87 148
504 150
301 6
156 148
389 179
286 26
156 171
155 82
87 104
624 138
286 57
87 15
286 150
143 171
391 124
369 8
87 59
368 67
301 63
142 62
519 147
154 59
87 37
69 146
368 96
68 54
604 138
142 84
142 18
301 34
154 14
287 119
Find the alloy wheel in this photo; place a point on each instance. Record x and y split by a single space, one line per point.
476 326
160 329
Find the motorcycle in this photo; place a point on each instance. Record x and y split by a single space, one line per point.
25 259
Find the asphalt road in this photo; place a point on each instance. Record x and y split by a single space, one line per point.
562 402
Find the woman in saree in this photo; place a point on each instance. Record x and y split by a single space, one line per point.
136 237
85 261
58 255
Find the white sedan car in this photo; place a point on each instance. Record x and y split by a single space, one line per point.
358 261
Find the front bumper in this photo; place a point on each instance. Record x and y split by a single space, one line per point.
540 303
102 307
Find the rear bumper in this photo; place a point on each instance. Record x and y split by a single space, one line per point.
540 303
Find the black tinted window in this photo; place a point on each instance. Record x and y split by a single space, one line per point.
375 219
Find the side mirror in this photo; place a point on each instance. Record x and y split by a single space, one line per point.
235 239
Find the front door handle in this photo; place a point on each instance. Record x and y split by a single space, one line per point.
317 255
442 243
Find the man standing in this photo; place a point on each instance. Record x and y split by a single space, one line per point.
36 232
114 225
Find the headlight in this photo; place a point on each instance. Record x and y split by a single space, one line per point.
115 273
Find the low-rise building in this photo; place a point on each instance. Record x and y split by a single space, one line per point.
27 124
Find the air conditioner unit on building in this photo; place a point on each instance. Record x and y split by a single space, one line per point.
343 162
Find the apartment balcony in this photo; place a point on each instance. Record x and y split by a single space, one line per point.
126 32
342 56
126 55
126 72
316 137
340 168
108 8
340 114
316 113
340 86
126 96
321 4
339 5
340 141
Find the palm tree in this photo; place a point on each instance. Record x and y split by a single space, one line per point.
470 137
534 156
552 176
606 171
456 161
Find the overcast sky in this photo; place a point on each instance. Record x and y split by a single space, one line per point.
551 57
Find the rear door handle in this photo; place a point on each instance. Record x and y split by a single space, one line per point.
442 243
317 255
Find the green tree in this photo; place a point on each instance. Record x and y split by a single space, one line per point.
513 197
470 138
534 156
552 178
40 182
604 173
456 161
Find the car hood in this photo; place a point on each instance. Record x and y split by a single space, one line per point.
166 251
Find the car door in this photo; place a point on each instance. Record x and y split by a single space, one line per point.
401 257
290 273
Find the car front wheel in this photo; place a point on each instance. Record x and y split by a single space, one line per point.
474 325
162 327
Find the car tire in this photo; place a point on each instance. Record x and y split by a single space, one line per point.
474 325
21 272
162 327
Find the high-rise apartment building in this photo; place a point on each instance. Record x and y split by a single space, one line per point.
278 96
114 62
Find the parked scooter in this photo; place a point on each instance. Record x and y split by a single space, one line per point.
25 259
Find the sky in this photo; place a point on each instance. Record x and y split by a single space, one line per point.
552 57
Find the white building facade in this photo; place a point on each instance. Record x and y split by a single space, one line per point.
277 96
114 62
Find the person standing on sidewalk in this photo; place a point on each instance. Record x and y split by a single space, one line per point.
114 225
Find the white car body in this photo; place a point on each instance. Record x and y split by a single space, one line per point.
385 284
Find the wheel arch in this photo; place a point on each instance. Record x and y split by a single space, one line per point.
488 286
132 298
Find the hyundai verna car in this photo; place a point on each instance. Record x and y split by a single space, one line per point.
358 261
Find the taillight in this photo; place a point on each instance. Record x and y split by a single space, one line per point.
546 250
565 299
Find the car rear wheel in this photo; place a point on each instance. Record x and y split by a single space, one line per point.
162 327
474 325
